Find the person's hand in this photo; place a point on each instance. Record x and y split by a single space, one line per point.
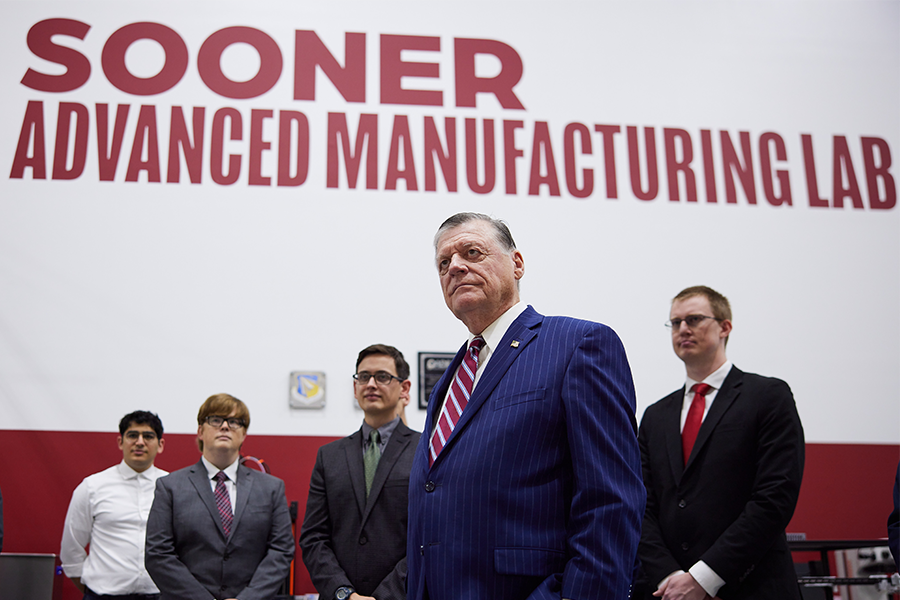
355 596
681 587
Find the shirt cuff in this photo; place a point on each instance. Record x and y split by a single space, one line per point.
706 577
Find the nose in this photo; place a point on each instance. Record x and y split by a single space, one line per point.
683 326
457 265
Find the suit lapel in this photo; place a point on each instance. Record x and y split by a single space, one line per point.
672 430
200 479
397 443
522 331
244 484
725 397
354 454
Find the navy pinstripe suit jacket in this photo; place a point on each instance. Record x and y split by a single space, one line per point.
537 493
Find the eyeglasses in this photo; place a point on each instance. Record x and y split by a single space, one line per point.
233 422
691 320
382 377
133 436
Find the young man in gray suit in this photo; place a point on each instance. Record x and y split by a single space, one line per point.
354 534
218 529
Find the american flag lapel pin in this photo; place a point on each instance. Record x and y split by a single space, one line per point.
514 343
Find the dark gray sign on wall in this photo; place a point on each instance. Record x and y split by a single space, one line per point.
431 366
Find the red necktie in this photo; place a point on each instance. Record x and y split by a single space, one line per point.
460 390
694 418
223 502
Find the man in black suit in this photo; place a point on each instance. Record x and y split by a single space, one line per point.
722 460
354 533
218 529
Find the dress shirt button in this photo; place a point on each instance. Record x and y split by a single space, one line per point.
429 486
682 503
363 540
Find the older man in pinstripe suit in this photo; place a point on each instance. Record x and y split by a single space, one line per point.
527 479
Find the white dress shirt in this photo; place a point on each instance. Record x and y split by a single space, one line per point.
109 511
230 483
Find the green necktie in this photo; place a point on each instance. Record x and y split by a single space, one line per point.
371 458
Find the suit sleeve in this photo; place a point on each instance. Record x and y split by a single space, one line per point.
893 523
170 575
275 566
394 585
776 486
658 562
315 537
607 496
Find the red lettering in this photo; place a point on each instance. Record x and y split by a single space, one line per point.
843 161
79 151
113 59
217 146
875 172
765 164
146 128
587 175
674 166
366 134
109 160
393 70
472 156
635 163
32 133
434 148
709 167
400 138
179 138
511 153
258 146
609 157
468 85
732 162
40 42
210 68
286 121
809 163
541 147
349 80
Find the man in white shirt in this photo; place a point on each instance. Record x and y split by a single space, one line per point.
109 512
722 462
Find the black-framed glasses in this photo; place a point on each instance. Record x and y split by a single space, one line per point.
382 377
691 320
133 436
233 422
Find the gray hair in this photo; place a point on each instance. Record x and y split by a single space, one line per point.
501 230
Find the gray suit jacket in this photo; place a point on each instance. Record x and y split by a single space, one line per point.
349 540
187 553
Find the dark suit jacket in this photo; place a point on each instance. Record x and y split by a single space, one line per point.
730 505
537 493
349 540
893 524
187 554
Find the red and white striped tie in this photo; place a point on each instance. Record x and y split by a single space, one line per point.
223 502
460 390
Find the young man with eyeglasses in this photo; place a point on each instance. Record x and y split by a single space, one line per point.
218 529
722 462
109 511
354 533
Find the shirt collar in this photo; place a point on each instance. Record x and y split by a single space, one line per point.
714 379
128 473
384 431
231 470
494 332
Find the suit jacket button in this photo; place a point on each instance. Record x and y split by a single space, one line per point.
682 503
429 486
684 546
363 540
422 550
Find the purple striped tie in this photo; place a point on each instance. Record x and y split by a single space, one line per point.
460 390
223 502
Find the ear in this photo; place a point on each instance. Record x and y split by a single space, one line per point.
518 264
725 327
120 441
162 445
404 391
